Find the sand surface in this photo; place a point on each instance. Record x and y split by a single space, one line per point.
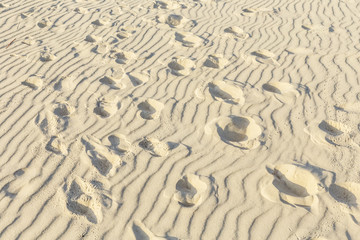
207 119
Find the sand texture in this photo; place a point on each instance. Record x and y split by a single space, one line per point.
179 119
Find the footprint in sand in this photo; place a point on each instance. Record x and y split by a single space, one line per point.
181 66
282 88
238 131
123 34
3 5
150 109
57 146
93 38
49 124
65 84
34 82
265 56
237 32
118 143
299 51
17 186
83 200
115 79
221 90
29 41
44 23
141 232
294 185
173 20
100 22
329 131
101 48
64 109
107 106
347 193
81 10
101 157
190 190
138 78
154 147
165 4
47 56
216 61
255 11
123 57
188 39
28 13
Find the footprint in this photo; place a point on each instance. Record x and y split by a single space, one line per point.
254 11
138 78
107 106
47 57
265 56
64 109
150 109
93 38
65 84
347 192
173 20
181 66
119 143
100 22
296 185
242 132
49 124
18 184
280 88
188 39
44 23
3 5
101 48
124 57
215 61
154 147
190 190
82 200
101 157
34 82
123 34
29 41
334 128
228 93
112 82
237 32
165 4
299 51
80 10
56 145
141 232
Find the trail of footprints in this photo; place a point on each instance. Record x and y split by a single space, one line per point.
292 184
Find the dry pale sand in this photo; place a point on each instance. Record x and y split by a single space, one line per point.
207 119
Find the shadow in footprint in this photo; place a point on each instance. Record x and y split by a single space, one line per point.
343 195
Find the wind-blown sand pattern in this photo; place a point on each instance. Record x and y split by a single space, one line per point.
179 119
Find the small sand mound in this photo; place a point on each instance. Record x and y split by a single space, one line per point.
190 190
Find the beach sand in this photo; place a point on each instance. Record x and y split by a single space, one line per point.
207 119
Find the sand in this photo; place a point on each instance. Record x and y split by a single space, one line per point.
207 119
